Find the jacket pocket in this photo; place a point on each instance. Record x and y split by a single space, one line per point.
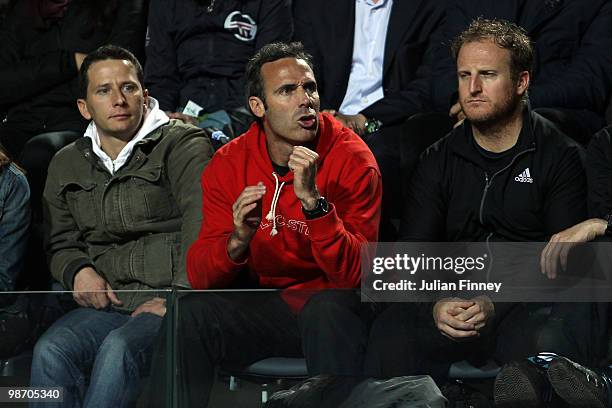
149 196
80 197
153 260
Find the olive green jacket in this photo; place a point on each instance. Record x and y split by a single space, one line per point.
133 227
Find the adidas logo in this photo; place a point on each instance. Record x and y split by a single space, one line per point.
524 177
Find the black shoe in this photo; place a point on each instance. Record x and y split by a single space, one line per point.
521 385
579 386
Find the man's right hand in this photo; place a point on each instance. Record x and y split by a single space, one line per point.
445 314
88 287
78 59
245 225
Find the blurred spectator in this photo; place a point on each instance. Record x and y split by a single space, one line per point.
43 45
4 6
573 383
14 222
572 71
372 59
197 51
14 231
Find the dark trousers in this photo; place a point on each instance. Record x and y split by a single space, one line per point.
229 330
404 341
342 335
334 326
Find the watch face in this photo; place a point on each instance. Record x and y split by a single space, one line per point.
324 204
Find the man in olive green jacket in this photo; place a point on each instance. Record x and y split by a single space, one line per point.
122 205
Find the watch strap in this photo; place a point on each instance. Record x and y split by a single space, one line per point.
609 226
320 209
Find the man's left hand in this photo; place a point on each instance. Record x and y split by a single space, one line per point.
156 306
303 164
479 314
355 122
554 255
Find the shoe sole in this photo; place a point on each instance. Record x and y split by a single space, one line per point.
575 393
514 390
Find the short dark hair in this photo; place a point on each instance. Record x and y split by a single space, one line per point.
106 52
505 35
270 53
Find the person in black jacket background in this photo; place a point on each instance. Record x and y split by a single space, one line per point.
572 70
43 45
197 51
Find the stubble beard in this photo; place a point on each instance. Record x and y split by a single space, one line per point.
499 116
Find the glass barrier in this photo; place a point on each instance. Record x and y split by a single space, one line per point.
238 348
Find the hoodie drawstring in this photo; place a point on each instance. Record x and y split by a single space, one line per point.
272 214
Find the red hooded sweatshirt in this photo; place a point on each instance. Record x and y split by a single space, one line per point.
303 254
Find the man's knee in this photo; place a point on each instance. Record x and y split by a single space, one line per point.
116 347
198 307
54 347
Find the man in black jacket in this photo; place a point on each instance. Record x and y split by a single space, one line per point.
572 70
198 49
504 174
571 382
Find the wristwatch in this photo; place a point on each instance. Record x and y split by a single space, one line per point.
609 226
372 125
319 210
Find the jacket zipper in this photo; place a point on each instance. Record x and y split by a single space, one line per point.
488 182
121 215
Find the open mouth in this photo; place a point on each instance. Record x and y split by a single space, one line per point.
307 121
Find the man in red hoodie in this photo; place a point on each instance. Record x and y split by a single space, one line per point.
319 188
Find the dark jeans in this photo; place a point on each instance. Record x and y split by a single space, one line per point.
230 330
108 350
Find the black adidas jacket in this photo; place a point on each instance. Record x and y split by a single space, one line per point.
451 198
599 172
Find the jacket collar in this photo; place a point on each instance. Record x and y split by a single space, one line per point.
139 153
